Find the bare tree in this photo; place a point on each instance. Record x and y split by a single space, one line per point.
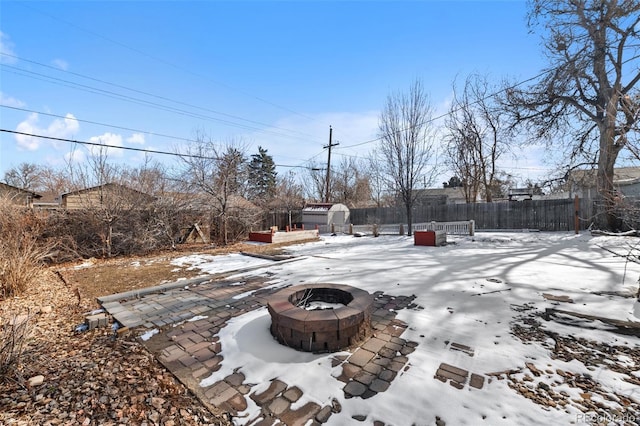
150 178
378 183
109 199
405 143
219 172
53 182
44 180
590 91
24 176
314 181
476 136
289 195
350 184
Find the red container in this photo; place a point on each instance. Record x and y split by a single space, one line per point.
424 238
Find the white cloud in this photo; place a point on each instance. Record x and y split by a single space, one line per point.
6 50
9 101
58 128
75 156
60 63
137 138
110 139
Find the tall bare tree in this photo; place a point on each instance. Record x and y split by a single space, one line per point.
406 146
590 91
476 136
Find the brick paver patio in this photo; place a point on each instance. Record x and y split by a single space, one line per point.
190 348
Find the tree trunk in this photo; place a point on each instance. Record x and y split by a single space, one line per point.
409 219
605 187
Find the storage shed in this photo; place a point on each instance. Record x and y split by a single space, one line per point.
324 214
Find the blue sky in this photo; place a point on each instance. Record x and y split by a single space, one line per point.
274 74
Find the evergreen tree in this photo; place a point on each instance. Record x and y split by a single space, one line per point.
262 176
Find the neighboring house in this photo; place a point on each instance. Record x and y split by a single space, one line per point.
107 195
21 197
583 182
440 196
49 201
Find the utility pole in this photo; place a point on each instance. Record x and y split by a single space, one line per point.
327 186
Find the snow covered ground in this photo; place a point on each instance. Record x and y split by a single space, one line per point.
473 290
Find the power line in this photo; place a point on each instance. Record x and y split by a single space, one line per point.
155 133
126 148
100 124
454 110
101 145
120 96
155 58
141 131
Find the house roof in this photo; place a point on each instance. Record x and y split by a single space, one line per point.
449 192
106 185
621 176
11 188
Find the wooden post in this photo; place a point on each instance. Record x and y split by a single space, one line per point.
576 206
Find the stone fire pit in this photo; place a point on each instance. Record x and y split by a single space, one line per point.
320 317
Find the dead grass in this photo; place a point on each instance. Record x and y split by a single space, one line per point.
97 277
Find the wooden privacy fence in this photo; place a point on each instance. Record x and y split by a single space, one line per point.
465 227
543 215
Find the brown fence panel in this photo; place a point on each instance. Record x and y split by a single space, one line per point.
543 215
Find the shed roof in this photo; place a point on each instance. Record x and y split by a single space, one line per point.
324 207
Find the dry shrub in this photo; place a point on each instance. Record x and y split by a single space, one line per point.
22 253
13 336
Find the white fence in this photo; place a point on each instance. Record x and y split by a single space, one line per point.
463 227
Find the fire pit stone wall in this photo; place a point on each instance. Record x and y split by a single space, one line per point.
320 330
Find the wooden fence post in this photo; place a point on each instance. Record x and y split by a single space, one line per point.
576 206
